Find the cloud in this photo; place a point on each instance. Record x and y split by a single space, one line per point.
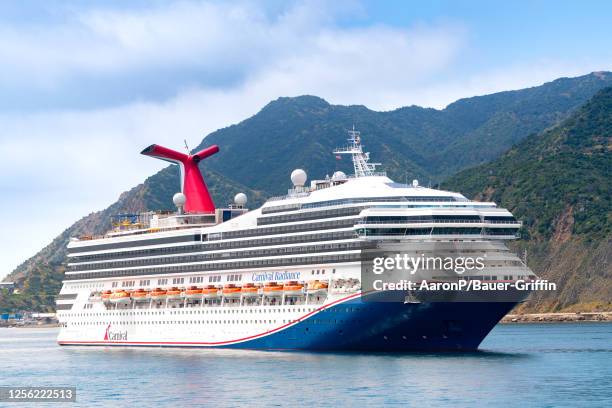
156 53
296 51
207 38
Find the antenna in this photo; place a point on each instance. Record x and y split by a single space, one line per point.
186 146
361 159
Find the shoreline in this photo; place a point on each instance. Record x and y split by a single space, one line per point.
30 326
577 317
557 317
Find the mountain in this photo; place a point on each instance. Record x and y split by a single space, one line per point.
258 154
559 183
423 143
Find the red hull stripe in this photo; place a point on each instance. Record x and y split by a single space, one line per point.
215 343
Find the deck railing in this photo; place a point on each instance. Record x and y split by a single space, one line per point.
451 221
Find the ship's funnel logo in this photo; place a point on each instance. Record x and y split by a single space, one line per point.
192 183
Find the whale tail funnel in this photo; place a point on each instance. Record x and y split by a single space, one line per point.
192 182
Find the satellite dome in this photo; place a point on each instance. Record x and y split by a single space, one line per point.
240 199
415 183
339 175
179 199
298 177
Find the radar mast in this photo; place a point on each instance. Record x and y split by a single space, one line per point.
361 160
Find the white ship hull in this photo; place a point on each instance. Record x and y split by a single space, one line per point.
287 275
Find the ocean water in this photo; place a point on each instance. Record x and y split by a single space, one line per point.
531 365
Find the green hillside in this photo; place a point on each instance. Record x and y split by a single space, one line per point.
422 143
258 154
559 184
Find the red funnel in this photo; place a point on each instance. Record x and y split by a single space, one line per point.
192 183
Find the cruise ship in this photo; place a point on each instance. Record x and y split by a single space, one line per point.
288 275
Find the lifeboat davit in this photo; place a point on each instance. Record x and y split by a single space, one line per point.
293 289
106 295
140 295
95 296
210 292
193 293
173 294
231 291
250 290
120 296
273 289
317 287
158 294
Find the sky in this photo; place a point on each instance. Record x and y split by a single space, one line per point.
84 86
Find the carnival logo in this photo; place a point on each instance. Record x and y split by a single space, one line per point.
110 335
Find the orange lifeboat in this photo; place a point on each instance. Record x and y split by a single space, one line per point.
140 295
250 290
173 294
210 292
293 288
317 286
120 296
106 295
158 294
273 289
193 292
231 291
